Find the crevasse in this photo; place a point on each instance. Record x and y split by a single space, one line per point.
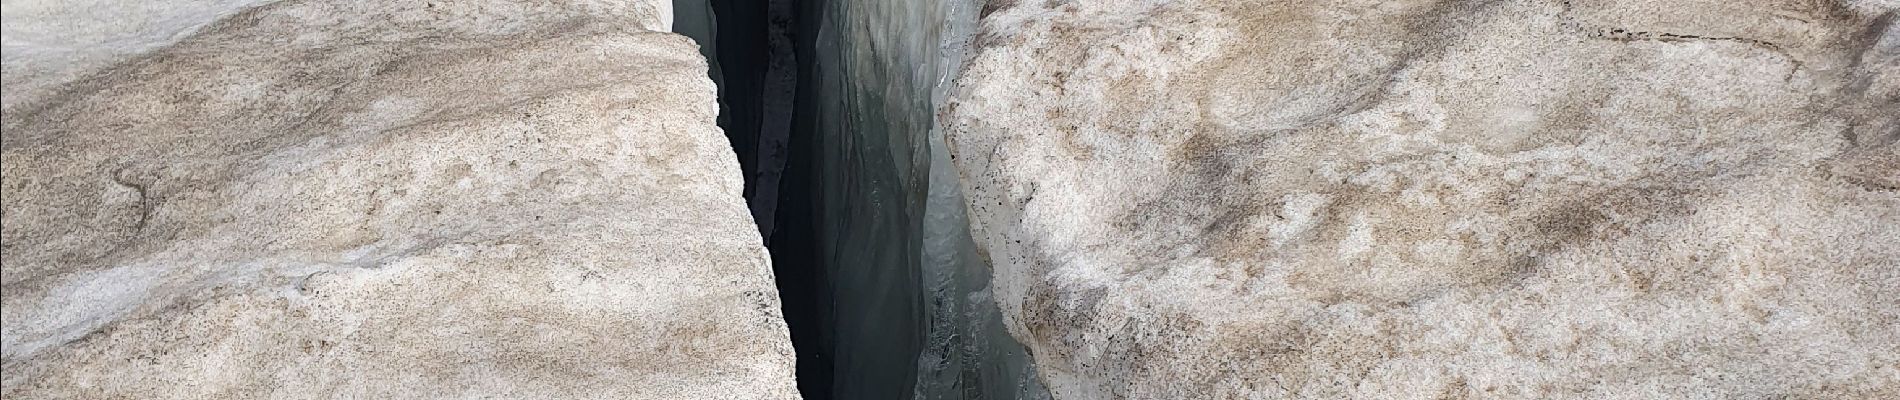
883 289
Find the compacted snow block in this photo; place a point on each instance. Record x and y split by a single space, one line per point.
318 199
1441 199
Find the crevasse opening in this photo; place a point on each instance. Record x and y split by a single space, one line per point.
829 107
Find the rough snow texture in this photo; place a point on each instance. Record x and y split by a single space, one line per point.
1441 199
50 42
340 199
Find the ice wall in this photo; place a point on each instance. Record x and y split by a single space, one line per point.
749 46
909 285
863 118
883 290
968 353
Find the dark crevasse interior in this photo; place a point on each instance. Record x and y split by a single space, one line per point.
828 105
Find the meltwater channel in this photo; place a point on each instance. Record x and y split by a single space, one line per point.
829 107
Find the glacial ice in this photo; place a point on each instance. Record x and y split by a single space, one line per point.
886 291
